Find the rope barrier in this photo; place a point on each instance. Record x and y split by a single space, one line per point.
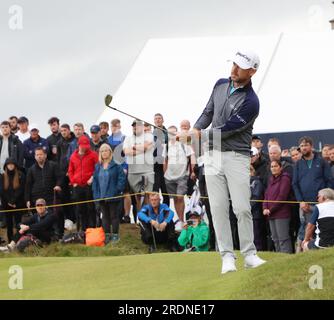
142 194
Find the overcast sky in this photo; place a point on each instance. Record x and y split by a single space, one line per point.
69 54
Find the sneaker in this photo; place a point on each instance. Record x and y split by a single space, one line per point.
126 219
253 261
107 239
114 237
151 249
2 241
228 264
11 246
173 249
179 226
4 249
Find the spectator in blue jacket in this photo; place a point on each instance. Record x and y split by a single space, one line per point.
157 225
311 174
31 144
109 181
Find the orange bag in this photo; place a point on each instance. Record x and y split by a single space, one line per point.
95 237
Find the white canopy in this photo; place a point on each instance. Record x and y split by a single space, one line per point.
175 77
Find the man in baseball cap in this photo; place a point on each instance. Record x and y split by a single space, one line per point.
137 123
231 110
96 140
34 127
33 142
84 142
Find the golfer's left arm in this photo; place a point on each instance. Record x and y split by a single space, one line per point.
238 122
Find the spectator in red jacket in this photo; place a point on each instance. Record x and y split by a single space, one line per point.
279 214
80 173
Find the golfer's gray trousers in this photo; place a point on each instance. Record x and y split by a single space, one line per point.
227 176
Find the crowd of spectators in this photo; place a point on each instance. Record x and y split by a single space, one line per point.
103 173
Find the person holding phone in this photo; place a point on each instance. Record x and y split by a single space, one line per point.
195 235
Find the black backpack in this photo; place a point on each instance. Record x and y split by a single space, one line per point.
74 237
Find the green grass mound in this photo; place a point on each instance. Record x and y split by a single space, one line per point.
168 276
130 244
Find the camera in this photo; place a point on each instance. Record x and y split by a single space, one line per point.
190 222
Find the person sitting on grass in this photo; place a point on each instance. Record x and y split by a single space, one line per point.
195 233
156 224
39 226
321 222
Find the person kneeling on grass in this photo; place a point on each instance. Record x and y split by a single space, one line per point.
38 229
156 224
195 233
322 222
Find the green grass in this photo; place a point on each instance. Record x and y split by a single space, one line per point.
167 276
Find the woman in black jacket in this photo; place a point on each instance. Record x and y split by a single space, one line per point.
12 196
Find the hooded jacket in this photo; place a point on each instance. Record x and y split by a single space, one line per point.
115 184
279 189
13 196
197 237
81 168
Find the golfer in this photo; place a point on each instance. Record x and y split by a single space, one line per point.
231 110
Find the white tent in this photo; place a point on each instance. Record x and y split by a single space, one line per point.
175 77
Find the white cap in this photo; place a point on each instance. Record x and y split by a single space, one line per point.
254 151
33 126
246 59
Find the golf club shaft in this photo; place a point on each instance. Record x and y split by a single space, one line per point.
153 235
107 101
136 118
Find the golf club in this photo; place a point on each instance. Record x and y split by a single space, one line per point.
107 101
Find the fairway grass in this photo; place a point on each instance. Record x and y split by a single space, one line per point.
166 276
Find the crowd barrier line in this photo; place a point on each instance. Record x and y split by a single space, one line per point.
142 194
